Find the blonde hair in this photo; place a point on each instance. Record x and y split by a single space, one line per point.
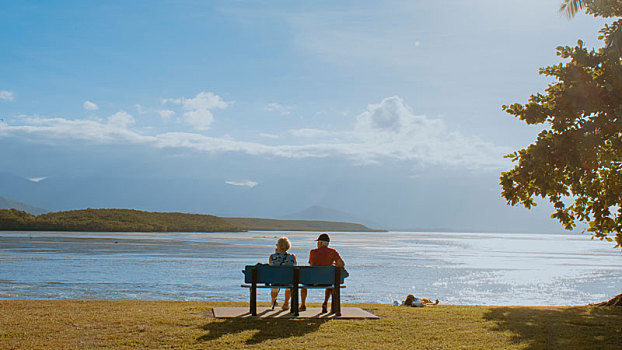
283 244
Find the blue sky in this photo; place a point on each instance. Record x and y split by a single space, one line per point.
244 92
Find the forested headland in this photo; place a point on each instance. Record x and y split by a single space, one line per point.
113 220
129 220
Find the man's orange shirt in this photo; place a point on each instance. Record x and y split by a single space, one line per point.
323 256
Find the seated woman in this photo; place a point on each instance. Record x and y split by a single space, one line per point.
417 302
279 258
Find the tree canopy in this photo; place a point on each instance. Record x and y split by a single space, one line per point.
576 163
600 8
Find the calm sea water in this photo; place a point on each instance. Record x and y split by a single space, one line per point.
457 268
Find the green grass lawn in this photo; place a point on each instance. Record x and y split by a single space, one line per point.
188 325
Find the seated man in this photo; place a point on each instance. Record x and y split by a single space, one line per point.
322 256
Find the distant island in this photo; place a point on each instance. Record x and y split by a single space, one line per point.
129 220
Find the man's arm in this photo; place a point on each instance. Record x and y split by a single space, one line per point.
338 260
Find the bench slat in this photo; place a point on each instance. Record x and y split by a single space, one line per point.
313 286
320 274
269 274
267 286
308 286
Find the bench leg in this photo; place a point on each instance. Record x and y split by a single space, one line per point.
294 307
253 302
335 306
253 308
337 301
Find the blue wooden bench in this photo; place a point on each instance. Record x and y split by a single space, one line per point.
295 277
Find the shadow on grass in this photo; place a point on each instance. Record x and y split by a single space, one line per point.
266 328
560 328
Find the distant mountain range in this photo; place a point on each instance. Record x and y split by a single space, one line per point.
6 203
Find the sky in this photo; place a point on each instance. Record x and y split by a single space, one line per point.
389 110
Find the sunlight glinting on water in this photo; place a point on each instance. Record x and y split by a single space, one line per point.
469 268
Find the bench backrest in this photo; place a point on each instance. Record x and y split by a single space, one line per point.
321 274
285 274
269 274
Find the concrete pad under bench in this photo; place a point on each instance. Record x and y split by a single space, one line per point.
311 312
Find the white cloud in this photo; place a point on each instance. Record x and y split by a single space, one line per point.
390 129
166 114
37 179
200 119
199 109
268 135
204 100
6 95
90 106
246 183
121 119
279 108
390 117
140 109
171 100
311 133
51 130
385 131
